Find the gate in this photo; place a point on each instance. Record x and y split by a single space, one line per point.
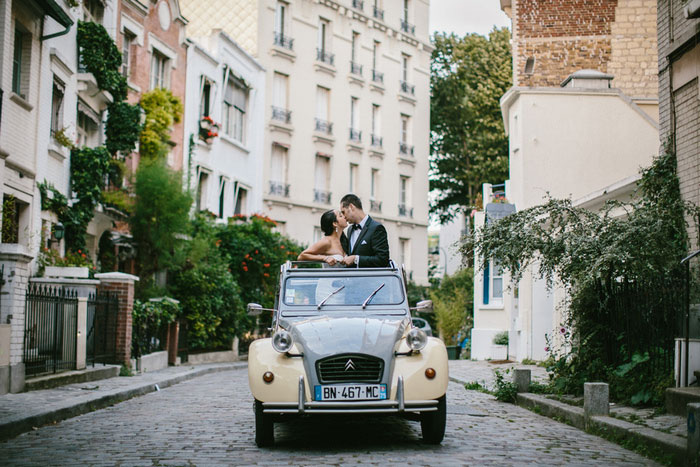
101 341
50 330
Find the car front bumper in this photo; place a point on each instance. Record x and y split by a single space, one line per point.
398 406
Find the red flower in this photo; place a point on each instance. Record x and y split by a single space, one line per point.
245 268
266 274
281 247
267 265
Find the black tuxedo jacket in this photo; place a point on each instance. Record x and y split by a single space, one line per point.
372 245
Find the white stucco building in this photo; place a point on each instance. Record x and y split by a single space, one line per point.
227 85
347 110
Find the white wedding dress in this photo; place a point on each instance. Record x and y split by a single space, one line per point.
324 287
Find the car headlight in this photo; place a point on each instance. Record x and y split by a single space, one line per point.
416 339
282 341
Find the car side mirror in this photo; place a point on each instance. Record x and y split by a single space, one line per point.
425 306
254 309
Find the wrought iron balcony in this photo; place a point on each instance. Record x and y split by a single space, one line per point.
375 206
321 196
377 77
325 57
376 141
405 149
355 135
283 41
408 88
282 115
324 127
279 189
408 28
355 68
379 14
359 4
405 211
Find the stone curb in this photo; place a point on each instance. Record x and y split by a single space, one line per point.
620 429
21 424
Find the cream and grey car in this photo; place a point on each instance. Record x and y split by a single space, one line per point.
343 343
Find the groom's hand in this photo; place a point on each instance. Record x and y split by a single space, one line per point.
330 260
349 260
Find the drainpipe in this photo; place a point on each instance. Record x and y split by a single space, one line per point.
56 34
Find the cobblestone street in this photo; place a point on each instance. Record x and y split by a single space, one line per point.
209 421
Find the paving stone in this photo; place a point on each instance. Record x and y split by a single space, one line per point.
209 421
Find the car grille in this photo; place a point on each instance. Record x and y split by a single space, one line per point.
350 368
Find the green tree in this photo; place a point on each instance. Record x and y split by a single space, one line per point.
163 110
452 303
468 144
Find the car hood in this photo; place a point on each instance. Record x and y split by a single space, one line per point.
323 336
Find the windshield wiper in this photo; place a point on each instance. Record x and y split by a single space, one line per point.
329 296
364 304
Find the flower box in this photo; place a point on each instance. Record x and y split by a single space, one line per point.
67 271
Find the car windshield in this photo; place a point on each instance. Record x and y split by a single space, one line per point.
353 290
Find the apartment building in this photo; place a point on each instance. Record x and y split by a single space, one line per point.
224 124
582 118
347 109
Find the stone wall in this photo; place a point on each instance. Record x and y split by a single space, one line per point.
612 36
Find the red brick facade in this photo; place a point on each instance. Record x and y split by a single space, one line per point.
611 36
125 292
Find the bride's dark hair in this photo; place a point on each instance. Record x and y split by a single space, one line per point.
327 220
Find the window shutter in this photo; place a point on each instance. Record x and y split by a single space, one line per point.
487 280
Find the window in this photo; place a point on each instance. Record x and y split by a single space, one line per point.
93 10
318 235
12 212
278 171
205 99
404 252
201 200
241 201
128 40
21 61
374 183
281 18
404 67
159 63
353 179
404 190
88 125
529 65
323 33
405 122
280 83
376 121
375 49
222 196
235 107
354 118
322 177
493 284
322 110
57 105
405 10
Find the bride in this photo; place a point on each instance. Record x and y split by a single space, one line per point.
328 249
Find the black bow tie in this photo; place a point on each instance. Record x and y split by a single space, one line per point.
356 227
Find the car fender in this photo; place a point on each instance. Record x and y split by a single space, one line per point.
416 385
286 370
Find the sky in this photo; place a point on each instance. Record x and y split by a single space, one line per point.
466 16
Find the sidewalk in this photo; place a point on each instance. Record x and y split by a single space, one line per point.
664 433
21 412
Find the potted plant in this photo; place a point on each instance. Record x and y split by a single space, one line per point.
208 129
75 264
500 340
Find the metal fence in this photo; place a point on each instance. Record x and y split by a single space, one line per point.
101 340
50 330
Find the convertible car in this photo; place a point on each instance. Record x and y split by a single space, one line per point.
343 342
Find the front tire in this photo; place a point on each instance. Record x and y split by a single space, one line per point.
264 427
432 424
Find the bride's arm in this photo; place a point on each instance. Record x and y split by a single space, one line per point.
316 252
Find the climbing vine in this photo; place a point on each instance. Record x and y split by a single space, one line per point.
162 111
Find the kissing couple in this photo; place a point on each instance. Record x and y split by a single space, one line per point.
364 245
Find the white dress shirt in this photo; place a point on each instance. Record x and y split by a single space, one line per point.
354 235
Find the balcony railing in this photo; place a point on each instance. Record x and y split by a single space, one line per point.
282 115
355 68
283 41
321 196
355 135
379 14
325 57
405 149
377 77
359 4
407 27
376 141
324 127
279 189
408 88
405 211
375 206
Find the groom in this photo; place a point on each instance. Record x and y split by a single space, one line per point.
366 242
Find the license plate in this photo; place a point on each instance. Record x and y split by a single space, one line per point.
350 392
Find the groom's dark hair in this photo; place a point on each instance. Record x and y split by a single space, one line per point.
351 199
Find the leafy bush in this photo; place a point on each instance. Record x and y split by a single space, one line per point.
452 303
501 338
149 325
162 110
506 391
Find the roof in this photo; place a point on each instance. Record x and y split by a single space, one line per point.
53 9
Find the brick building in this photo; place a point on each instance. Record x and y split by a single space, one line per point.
679 93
